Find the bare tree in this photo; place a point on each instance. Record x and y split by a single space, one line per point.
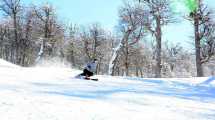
26 42
12 8
204 35
159 14
52 31
132 21
5 43
71 48
93 37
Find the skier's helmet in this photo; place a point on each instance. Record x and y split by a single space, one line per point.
95 60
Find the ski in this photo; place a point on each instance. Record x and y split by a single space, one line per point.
94 79
86 78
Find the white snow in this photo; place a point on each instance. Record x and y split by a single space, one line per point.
43 93
6 64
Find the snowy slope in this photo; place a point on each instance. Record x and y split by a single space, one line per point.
53 94
6 64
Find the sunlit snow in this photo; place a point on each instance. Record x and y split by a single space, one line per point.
52 93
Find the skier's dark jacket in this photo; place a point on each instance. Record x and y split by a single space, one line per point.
90 68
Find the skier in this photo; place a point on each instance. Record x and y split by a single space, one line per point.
89 69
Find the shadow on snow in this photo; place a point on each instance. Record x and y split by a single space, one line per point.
156 87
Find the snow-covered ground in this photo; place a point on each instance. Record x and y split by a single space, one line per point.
43 93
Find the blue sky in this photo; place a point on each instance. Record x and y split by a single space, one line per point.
85 12
105 12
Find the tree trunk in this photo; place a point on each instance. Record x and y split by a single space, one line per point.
95 44
26 44
197 46
136 71
16 42
126 59
158 48
116 51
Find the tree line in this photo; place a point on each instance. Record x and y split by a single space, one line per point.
32 34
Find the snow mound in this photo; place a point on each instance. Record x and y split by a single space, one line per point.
209 81
6 64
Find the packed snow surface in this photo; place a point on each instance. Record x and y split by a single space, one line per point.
52 93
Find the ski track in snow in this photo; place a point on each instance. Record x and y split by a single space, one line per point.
54 94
